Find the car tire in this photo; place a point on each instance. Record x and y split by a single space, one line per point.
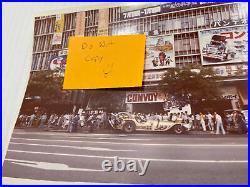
178 129
129 127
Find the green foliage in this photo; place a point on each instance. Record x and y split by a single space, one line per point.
46 84
111 100
190 83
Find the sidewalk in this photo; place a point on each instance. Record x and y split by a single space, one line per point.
111 131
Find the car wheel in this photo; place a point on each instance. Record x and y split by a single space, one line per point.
129 127
178 129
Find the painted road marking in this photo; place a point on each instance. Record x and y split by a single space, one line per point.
47 165
130 158
10 180
134 143
73 147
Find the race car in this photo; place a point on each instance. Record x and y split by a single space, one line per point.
127 123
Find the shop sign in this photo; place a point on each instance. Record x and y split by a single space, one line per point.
145 97
229 22
153 76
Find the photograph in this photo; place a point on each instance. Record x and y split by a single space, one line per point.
186 125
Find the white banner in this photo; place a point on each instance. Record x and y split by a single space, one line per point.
153 76
231 70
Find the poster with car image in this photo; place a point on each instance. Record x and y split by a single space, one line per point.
225 45
160 52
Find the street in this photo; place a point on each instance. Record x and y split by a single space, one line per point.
58 157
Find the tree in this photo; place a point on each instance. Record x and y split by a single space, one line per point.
109 99
190 84
47 85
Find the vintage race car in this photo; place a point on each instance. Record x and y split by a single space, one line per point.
126 122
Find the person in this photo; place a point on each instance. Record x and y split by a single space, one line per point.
168 61
184 117
202 122
158 119
66 121
43 120
75 120
228 119
70 124
50 121
219 124
210 121
162 57
174 117
197 121
165 117
155 62
31 120
241 122
60 121
192 119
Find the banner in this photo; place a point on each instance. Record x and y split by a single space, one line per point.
153 76
229 22
145 97
162 8
225 45
59 24
160 52
231 70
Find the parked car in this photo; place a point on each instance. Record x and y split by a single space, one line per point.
233 127
126 122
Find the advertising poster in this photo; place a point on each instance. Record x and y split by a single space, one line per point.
160 52
59 24
225 45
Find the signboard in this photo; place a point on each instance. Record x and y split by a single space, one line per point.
163 8
224 45
145 97
160 52
231 70
59 24
229 22
153 76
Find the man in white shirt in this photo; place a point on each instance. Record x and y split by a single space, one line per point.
210 121
219 124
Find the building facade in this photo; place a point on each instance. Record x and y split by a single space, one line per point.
196 30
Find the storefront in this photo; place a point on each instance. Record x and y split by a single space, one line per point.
153 102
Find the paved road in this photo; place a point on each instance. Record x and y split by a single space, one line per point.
54 157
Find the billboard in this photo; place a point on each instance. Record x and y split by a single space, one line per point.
160 52
58 32
224 45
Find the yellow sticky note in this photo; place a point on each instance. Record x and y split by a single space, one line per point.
105 62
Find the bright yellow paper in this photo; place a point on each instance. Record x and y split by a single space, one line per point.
105 62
